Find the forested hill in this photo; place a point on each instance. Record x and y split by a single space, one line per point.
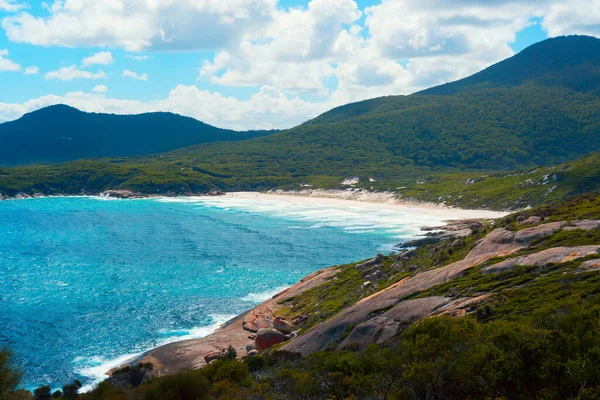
62 133
567 61
390 139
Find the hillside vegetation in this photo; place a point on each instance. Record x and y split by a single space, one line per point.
531 110
61 133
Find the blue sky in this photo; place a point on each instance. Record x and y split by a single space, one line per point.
257 63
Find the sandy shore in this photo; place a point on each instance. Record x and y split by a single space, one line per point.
366 200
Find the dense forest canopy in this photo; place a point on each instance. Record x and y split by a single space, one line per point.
62 133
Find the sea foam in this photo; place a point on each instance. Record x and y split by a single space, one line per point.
95 368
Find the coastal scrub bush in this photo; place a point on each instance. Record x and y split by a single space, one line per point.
70 390
42 393
10 376
183 386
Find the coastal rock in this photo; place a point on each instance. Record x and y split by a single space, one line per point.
591 265
267 338
526 236
214 355
531 221
250 347
283 325
331 331
131 376
300 320
253 353
250 327
390 323
377 260
120 194
555 255
586 225
436 234
262 323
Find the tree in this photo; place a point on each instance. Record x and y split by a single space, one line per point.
10 375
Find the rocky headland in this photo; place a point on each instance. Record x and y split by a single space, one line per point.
387 292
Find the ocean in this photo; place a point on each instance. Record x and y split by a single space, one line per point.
87 283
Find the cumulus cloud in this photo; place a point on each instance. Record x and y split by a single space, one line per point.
100 58
267 109
140 24
573 16
134 75
139 58
74 72
100 89
11 5
331 49
7 64
32 70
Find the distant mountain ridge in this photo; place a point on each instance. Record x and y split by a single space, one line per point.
61 133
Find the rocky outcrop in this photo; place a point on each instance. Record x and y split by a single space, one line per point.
374 261
391 323
591 265
436 234
555 255
214 355
267 338
530 221
502 239
331 331
189 354
283 325
121 194
585 224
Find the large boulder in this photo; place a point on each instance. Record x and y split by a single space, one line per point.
214 355
267 338
390 323
374 261
283 325
555 255
585 224
250 327
531 221
263 323
526 236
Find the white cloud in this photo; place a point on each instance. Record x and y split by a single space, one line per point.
100 89
267 109
140 24
139 58
11 5
573 17
32 70
7 64
100 58
328 48
130 74
74 72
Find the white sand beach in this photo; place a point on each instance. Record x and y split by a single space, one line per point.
366 200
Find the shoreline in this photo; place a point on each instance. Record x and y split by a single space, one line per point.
189 354
362 197
367 200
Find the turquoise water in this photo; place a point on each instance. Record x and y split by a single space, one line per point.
87 283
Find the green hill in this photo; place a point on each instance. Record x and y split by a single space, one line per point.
62 133
544 114
569 61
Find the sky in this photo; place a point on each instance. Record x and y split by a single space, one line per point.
258 64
